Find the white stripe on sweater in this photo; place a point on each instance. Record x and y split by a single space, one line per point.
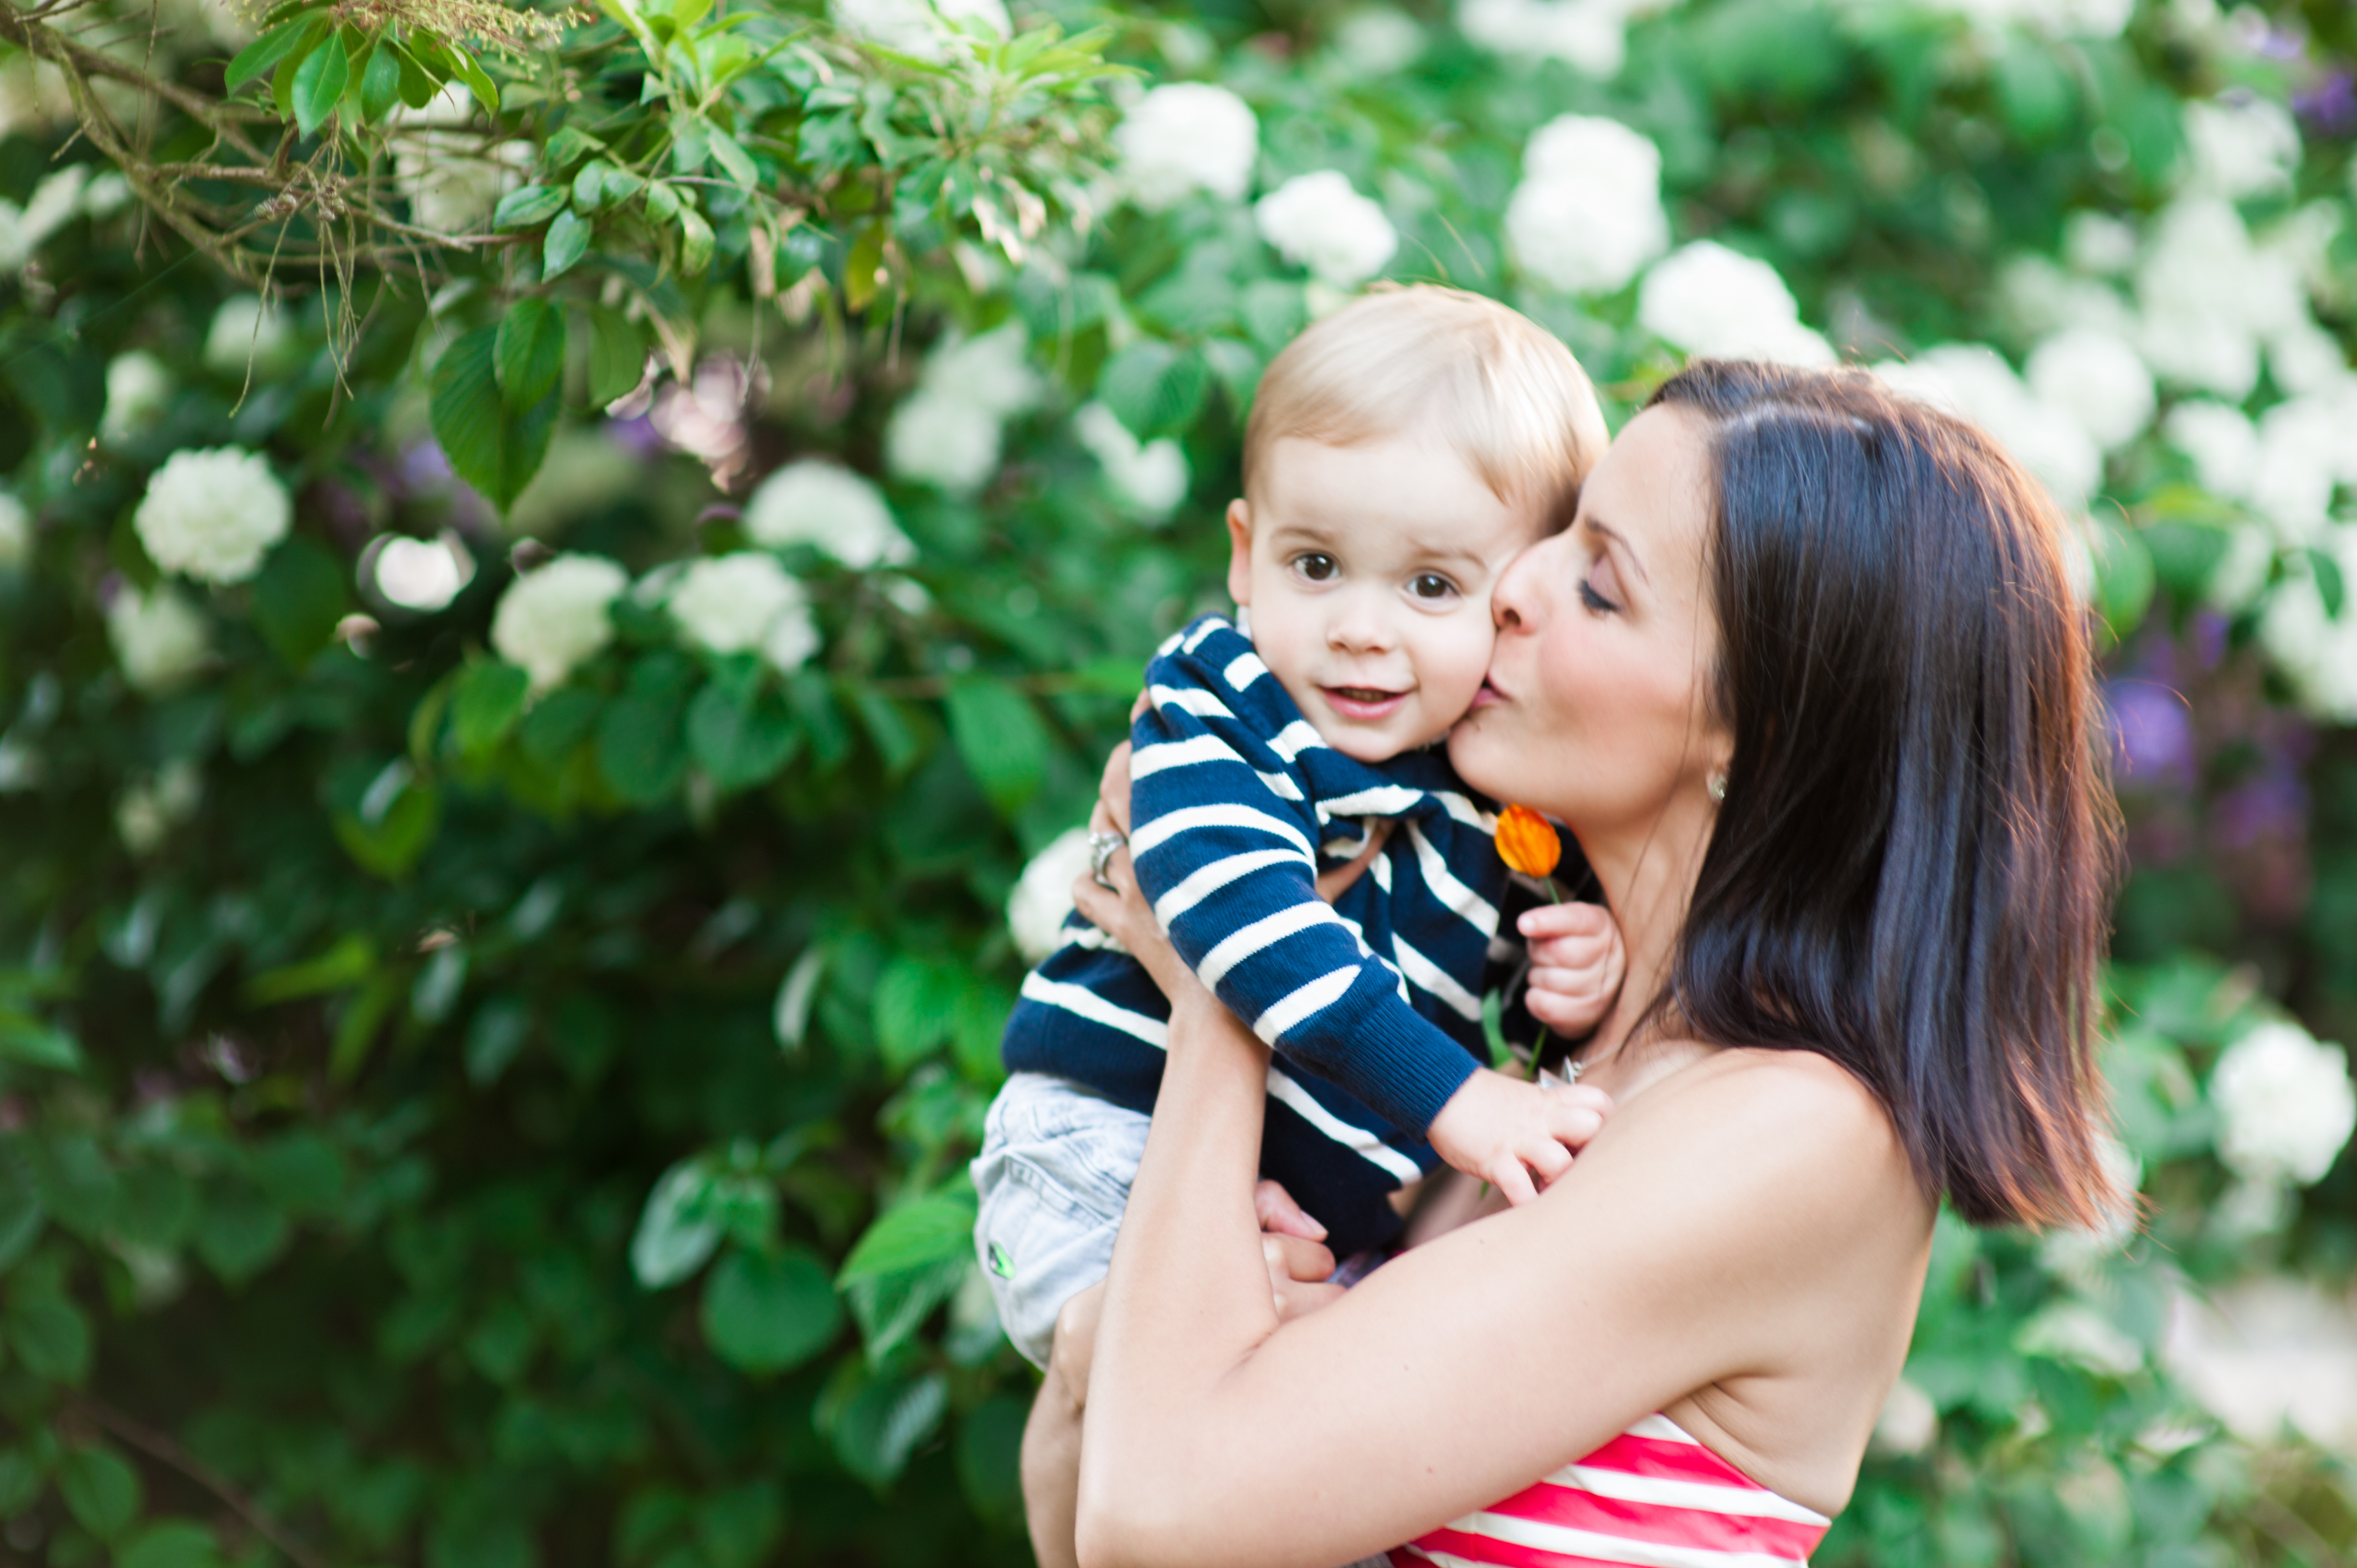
1189 700
1357 1139
1445 886
1242 671
1265 932
1205 880
1383 800
1079 999
1195 749
1435 981
1187 819
1195 640
1294 739
1318 995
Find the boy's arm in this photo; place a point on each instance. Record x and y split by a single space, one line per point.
1224 840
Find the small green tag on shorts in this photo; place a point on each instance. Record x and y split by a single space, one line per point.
1000 1263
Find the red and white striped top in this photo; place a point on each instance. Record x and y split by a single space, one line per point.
1651 1497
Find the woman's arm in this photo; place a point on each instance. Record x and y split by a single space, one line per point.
1749 1220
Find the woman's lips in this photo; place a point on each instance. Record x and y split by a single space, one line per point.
1367 704
1486 696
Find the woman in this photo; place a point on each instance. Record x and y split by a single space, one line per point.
1807 679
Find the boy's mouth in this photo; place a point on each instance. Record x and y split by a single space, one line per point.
1365 703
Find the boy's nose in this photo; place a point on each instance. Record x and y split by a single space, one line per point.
1358 626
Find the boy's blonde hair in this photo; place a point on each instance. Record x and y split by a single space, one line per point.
1500 389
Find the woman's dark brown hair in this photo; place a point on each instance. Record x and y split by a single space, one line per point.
1911 868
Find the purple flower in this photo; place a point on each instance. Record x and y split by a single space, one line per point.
2153 730
2270 806
2330 107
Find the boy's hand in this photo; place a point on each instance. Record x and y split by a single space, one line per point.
1577 962
1506 1132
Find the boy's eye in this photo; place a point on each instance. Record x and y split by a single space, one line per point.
1315 566
1430 585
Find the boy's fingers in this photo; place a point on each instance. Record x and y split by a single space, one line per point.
1298 1299
1548 1159
1571 980
1279 1215
1294 1258
1509 1176
1565 921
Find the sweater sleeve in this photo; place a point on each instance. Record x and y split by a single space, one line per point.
1224 838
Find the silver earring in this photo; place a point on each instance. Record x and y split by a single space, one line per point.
1716 785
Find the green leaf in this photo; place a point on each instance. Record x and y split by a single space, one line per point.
528 205
916 1000
50 1337
299 599
640 750
557 724
1000 735
863 270
101 1490
392 844
487 704
170 1544
528 356
491 447
500 1028
920 1231
380 83
733 159
2124 577
738 1528
618 355
263 56
464 66
2330 585
347 963
674 1235
239 1232
21 1481
20 1220
589 185
154 1204
1154 388
567 242
694 242
34 1041
990 1458
883 1424
768 1313
418 84
740 742
320 81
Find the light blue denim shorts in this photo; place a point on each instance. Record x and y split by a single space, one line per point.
1053 1176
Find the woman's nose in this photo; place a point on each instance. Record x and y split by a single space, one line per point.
1514 600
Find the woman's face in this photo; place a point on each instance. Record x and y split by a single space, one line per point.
1596 710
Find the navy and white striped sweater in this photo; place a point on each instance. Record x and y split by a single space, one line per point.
1236 805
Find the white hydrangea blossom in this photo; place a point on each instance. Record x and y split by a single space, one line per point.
245 330
1150 478
2038 299
1588 213
2221 441
2207 296
54 201
1318 222
2285 1103
947 433
2316 650
552 619
2241 148
812 501
138 390
991 370
16 533
731 604
1043 895
1973 382
154 804
2242 572
2099 242
159 638
2305 447
916 28
1183 138
213 514
1589 36
1715 303
2063 19
1379 41
2098 380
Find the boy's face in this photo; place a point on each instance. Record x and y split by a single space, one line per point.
1367 569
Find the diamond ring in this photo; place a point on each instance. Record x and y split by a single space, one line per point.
1101 848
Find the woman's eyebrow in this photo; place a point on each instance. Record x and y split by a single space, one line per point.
1614 534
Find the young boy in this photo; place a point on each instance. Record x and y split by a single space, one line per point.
1399 452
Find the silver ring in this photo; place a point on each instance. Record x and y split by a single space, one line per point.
1101 848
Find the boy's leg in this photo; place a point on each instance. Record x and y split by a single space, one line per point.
1051 1438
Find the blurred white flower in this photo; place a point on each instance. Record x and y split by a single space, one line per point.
992 370
1317 221
1591 35
553 617
1973 382
1588 213
23 228
2037 298
2076 1253
245 330
15 533
1909 1422
2075 1332
2285 1103
1379 41
1186 136
2266 1351
914 26
2221 441
2098 380
2305 360
2242 572
1043 895
2100 243
212 513
937 439
2316 650
422 575
2241 148
159 637
2206 296
138 390
2064 19
2304 448
1150 478
1717 304
452 182
731 604
812 501
154 804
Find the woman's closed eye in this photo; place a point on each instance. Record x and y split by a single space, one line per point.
1599 589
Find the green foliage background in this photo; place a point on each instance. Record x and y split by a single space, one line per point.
485 1132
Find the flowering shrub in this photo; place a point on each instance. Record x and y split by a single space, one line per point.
554 640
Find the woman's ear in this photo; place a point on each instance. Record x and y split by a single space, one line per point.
1240 551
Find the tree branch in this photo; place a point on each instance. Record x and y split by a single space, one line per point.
158 1446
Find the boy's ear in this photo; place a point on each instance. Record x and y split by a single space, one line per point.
1240 551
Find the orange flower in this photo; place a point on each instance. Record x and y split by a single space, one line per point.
1527 842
